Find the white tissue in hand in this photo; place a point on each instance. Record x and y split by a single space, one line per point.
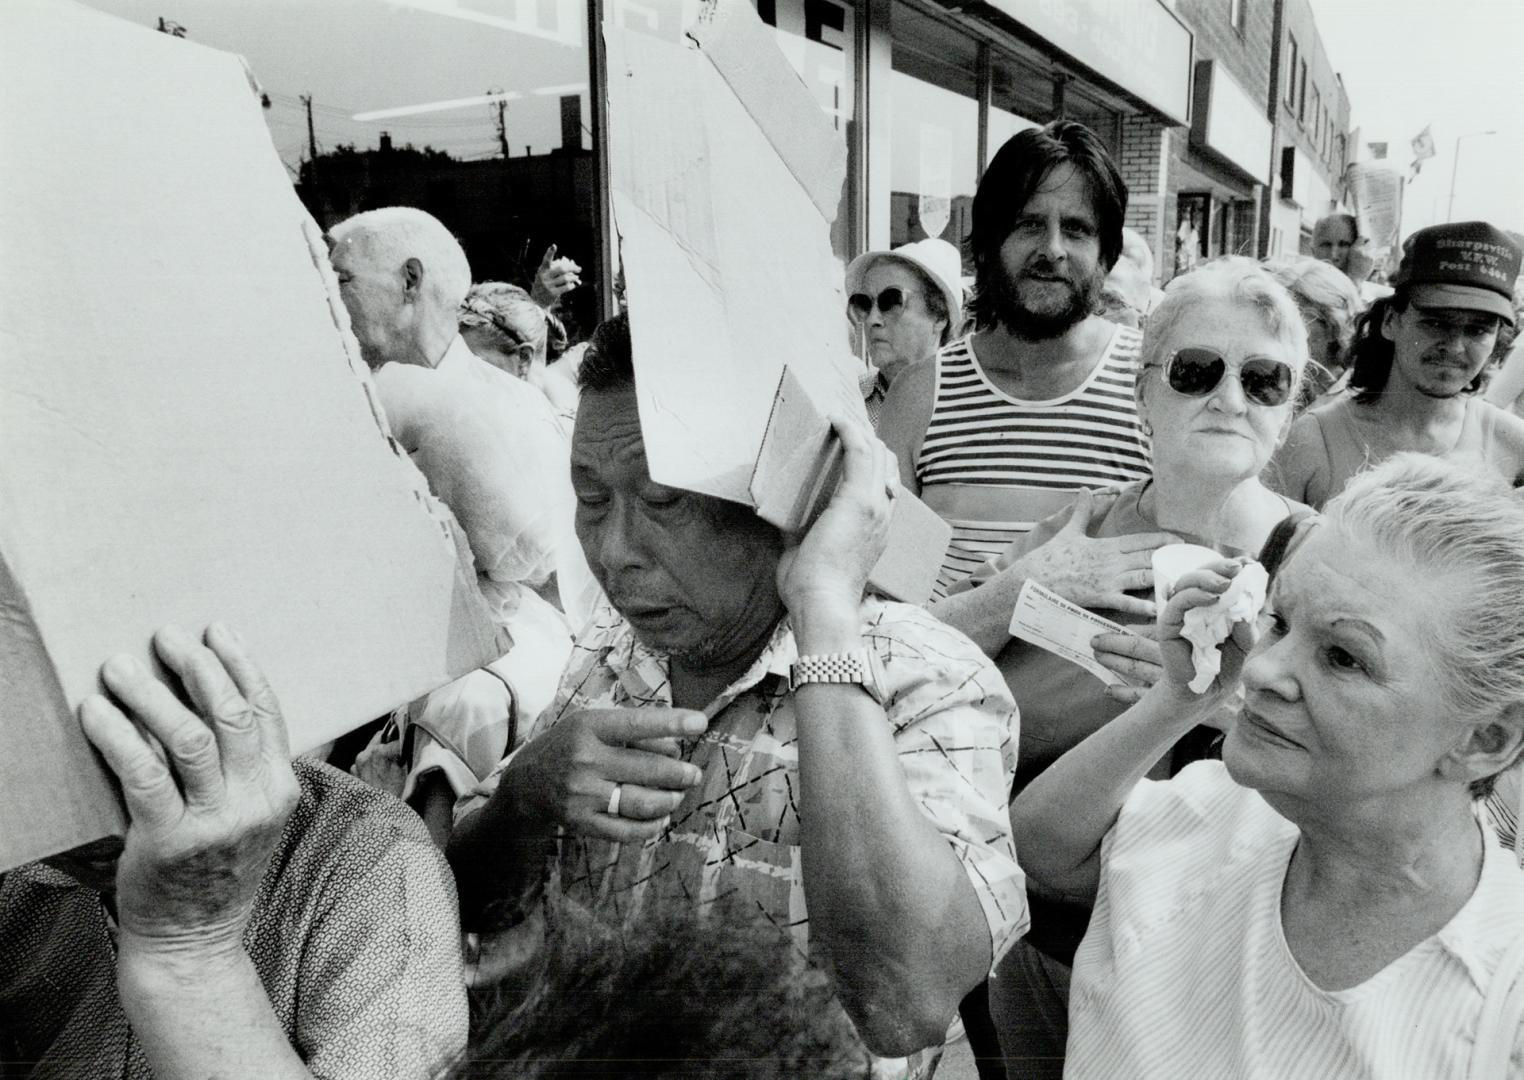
1208 627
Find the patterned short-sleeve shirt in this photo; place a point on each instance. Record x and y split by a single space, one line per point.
354 936
737 831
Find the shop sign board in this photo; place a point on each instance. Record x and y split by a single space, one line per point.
1228 121
1140 45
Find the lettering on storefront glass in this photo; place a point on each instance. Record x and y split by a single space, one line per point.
821 16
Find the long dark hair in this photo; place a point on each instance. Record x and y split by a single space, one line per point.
1014 176
1370 353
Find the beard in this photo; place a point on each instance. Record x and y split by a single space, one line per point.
1049 320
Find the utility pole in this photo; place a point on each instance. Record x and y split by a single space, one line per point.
1455 166
306 99
500 106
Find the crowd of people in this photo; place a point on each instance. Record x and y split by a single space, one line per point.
722 810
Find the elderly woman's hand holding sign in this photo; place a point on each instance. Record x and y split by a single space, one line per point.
208 793
1329 878
255 898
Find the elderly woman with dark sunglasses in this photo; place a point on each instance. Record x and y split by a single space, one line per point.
1325 900
1221 361
906 304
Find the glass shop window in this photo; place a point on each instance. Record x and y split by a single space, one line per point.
477 111
819 39
934 130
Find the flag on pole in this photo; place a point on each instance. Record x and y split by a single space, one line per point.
1423 149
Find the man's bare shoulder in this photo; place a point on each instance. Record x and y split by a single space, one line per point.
1508 438
1300 467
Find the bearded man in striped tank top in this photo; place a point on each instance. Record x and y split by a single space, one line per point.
1037 403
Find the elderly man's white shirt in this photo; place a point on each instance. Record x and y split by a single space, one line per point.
494 452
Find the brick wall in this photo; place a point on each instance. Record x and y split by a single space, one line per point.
1145 147
1245 54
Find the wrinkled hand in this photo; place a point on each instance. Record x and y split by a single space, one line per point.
1201 588
1134 657
554 277
380 764
1096 573
565 776
831 562
207 794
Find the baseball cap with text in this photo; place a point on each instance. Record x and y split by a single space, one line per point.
1466 264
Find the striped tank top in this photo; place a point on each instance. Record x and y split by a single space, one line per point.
992 466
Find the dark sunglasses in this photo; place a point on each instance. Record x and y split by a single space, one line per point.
860 305
1195 371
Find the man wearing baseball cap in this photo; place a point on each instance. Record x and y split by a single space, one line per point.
1420 356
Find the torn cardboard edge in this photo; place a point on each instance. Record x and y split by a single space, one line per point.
797 471
740 47
343 636
453 534
28 674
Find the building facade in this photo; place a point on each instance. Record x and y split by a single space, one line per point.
1310 110
486 113
1219 165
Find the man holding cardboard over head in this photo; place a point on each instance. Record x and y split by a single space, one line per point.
743 721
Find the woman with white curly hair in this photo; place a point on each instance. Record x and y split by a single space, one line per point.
1327 900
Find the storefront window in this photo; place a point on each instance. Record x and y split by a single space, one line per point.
819 39
1020 98
477 112
1105 122
934 129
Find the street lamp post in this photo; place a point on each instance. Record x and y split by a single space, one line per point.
1455 165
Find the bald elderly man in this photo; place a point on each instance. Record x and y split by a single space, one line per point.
493 451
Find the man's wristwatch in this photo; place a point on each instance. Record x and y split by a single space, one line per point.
859 666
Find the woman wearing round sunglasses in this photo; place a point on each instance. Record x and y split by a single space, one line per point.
1325 901
1221 360
906 303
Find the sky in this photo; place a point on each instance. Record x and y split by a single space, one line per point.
1455 66
356 56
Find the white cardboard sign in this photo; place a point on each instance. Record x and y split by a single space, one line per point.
187 433
725 176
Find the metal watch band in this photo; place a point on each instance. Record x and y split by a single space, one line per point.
848 667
